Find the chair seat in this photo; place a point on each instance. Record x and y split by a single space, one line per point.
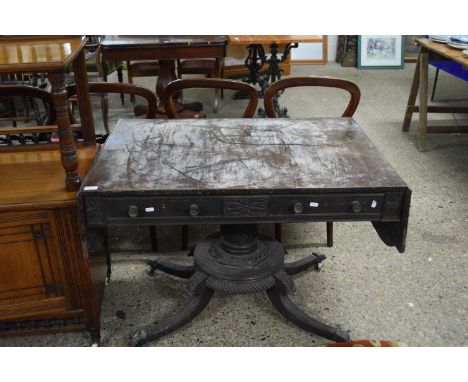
144 68
201 66
111 67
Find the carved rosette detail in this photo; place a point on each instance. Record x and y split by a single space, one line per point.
245 207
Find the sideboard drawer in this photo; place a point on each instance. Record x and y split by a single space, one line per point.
328 204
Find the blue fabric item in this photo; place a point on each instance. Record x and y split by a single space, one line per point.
453 68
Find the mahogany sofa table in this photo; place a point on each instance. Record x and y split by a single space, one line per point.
166 49
431 51
239 173
54 55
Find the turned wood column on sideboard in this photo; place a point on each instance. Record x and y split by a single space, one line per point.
53 56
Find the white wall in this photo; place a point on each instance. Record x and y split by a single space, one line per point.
313 51
332 44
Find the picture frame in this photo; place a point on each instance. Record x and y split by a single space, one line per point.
381 52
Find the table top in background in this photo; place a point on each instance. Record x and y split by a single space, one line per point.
163 40
240 156
270 39
444 50
38 53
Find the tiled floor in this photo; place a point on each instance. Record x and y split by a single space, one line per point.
419 297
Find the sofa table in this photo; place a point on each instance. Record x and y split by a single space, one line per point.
238 173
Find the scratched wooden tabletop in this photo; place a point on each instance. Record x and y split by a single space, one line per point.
239 155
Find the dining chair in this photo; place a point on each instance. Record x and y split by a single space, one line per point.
209 67
22 136
101 89
22 109
98 71
151 109
207 83
146 68
329 82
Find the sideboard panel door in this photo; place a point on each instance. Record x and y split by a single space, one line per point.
31 275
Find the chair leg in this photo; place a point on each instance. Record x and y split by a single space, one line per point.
184 237
216 101
13 111
71 111
329 234
153 238
278 232
435 84
105 111
120 77
130 80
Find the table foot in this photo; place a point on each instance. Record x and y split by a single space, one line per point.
179 270
198 300
279 297
298 266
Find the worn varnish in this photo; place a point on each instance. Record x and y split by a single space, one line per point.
35 53
237 154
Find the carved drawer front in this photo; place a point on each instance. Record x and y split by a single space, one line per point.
334 205
161 208
30 266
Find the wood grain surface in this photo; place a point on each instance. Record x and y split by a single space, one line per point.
36 177
36 53
110 41
244 155
444 50
270 39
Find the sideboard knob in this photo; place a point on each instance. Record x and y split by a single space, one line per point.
133 211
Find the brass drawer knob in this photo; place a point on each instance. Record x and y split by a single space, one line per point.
298 208
194 210
133 211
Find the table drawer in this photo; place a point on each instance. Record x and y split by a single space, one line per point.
212 208
162 208
328 204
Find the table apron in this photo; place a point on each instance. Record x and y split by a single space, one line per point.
215 209
162 53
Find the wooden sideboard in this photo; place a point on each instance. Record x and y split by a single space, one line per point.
47 280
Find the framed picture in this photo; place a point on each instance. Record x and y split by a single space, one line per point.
380 52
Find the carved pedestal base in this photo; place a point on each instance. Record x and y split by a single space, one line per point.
238 260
